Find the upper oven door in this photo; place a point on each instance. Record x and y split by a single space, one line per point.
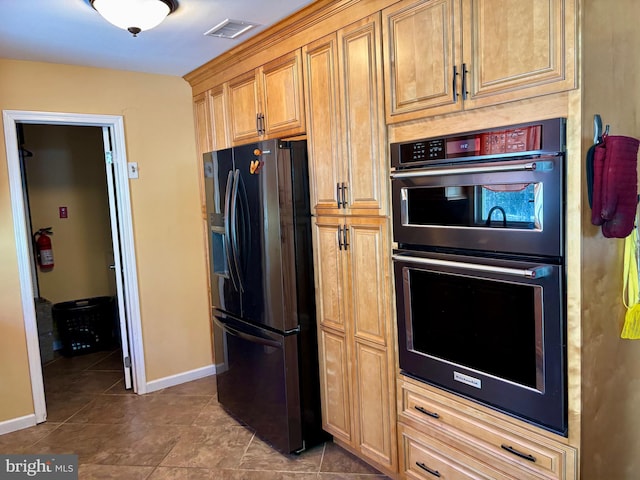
513 206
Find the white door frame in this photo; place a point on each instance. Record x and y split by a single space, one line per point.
116 125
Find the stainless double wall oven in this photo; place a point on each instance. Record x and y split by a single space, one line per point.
479 269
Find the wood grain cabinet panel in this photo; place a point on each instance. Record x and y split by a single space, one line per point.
282 96
362 106
345 118
329 273
376 438
518 49
352 280
428 458
267 102
334 384
202 118
487 439
424 46
324 145
367 256
348 164
449 55
244 105
219 118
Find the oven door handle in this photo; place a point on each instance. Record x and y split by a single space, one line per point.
432 172
536 272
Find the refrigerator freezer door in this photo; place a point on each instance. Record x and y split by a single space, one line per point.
258 380
218 175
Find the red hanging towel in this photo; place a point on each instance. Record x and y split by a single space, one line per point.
615 185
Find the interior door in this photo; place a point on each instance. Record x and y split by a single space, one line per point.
117 259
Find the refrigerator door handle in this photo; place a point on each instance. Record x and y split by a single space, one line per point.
227 229
259 339
234 227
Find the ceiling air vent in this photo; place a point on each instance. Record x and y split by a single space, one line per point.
230 29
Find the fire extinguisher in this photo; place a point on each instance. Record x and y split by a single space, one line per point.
44 250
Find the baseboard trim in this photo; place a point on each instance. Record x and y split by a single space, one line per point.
180 378
18 423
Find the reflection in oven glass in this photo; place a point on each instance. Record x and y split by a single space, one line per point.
486 325
506 205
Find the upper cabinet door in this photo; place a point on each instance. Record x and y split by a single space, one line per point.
267 102
219 118
518 48
202 117
326 169
363 127
282 96
422 57
244 106
346 133
450 55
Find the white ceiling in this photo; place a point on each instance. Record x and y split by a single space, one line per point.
72 32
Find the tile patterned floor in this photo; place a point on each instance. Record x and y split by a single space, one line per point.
178 433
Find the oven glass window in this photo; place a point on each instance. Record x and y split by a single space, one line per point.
507 205
482 324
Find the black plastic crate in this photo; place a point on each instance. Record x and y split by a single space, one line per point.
85 325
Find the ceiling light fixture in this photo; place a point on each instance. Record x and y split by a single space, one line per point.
134 15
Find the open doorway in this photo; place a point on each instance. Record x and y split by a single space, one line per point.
110 130
67 208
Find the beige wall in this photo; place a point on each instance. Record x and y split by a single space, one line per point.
68 169
159 132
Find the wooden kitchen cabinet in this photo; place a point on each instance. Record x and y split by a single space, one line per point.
202 119
345 121
268 102
474 438
427 458
211 120
424 47
449 55
219 118
355 331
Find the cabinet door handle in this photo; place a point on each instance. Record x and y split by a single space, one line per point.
344 195
338 194
345 243
455 84
464 81
435 473
512 450
426 412
260 123
339 237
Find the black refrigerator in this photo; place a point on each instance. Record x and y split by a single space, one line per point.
262 290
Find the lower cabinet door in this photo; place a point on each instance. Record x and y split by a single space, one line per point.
335 390
374 407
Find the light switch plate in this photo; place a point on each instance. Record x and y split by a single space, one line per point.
132 167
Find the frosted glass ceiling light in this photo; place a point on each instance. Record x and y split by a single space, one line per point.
134 15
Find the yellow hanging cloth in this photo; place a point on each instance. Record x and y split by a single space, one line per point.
631 328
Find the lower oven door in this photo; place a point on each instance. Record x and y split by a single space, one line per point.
488 329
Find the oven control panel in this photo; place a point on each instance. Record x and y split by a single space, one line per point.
514 139
427 150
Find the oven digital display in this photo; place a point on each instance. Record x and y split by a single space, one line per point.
463 147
